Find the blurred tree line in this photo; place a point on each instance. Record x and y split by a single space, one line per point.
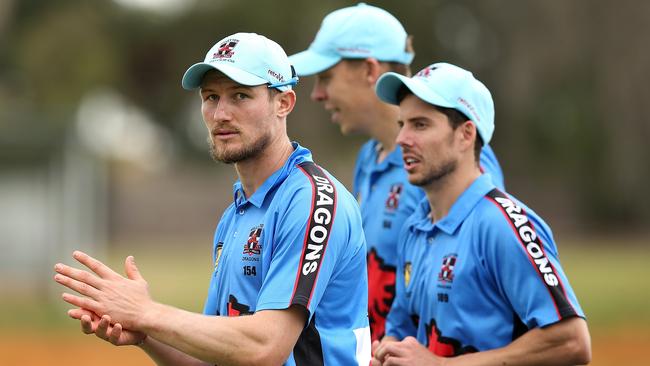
570 80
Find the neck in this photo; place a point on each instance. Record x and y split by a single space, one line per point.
442 194
384 128
253 172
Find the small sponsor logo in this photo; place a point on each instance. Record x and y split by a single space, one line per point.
353 50
218 255
407 274
470 107
276 75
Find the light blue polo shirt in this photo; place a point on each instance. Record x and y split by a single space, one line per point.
387 199
297 240
480 277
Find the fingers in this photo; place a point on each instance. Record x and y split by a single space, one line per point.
87 324
115 334
80 287
392 361
131 269
78 313
102 327
375 346
82 302
78 275
94 265
389 350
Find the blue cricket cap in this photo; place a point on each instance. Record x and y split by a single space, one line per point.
248 59
445 85
356 32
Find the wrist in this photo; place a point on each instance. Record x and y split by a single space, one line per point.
141 343
147 322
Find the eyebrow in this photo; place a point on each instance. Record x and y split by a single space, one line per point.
416 119
233 87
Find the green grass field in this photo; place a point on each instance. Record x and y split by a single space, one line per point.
612 281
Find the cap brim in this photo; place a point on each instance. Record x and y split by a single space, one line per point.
390 83
309 62
194 75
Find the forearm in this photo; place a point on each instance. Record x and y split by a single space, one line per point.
165 355
564 343
219 340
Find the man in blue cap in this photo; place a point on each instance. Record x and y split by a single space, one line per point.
353 48
289 284
478 281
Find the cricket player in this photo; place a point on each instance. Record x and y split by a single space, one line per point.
479 281
289 284
353 48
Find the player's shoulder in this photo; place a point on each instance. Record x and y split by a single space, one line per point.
500 211
309 179
367 152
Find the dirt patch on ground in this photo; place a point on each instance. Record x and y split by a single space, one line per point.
622 347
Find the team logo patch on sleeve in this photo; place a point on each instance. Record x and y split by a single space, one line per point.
532 245
319 226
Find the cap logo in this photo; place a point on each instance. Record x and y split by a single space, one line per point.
226 49
352 50
470 107
276 75
424 73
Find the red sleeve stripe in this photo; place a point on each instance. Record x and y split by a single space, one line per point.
319 227
533 247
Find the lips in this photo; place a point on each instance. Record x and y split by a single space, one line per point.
224 134
334 113
410 161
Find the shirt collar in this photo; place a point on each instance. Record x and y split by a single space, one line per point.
459 210
299 155
393 158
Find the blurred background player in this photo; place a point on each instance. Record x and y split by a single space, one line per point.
289 252
478 271
352 49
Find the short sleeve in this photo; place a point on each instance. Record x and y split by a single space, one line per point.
304 247
522 258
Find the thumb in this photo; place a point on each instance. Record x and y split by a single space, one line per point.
131 269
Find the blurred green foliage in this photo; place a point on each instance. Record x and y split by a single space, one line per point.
569 80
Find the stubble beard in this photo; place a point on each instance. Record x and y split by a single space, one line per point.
436 175
228 156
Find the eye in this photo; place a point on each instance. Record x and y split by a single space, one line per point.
419 125
241 96
210 97
400 124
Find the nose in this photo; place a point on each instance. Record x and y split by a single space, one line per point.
221 112
318 93
403 137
